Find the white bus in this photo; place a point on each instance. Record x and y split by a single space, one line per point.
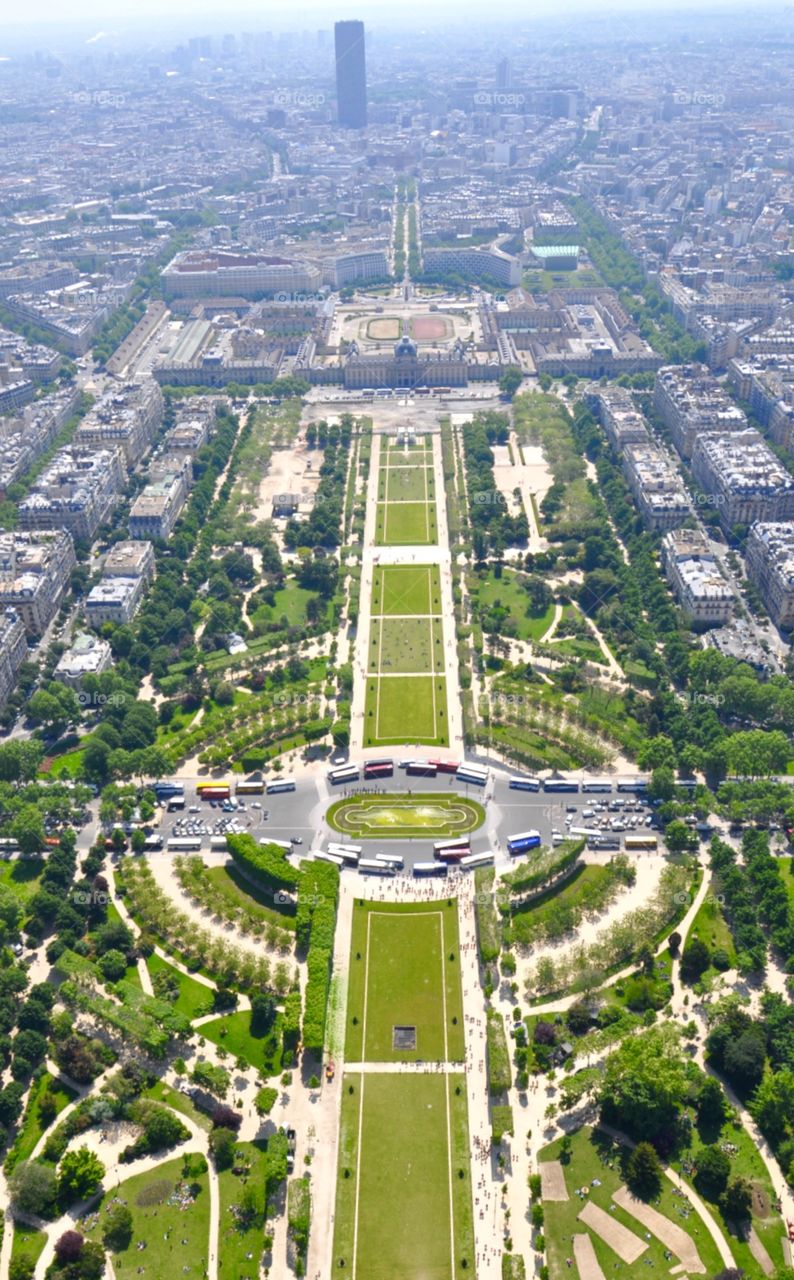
320 856
183 844
452 846
597 784
336 847
278 784
249 787
374 867
349 853
286 845
474 860
472 773
430 868
588 832
391 860
637 783
218 842
153 844
347 773
524 784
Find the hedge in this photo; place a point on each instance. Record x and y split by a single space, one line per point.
488 928
545 866
501 1122
318 895
266 864
499 1076
291 1021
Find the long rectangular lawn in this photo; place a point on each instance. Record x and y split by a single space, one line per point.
406 589
406 709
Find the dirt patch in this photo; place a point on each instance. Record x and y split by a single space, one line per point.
552 1181
671 1235
587 1263
430 328
625 1244
759 1252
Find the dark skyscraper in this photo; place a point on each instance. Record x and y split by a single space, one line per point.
351 75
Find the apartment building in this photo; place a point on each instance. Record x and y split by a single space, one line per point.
76 492
769 559
89 655
156 509
743 478
657 487
130 560
623 423
115 600
693 574
127 418
692 404
13 652
34 574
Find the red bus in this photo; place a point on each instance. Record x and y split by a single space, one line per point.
453 855
378 768
446 766
215 793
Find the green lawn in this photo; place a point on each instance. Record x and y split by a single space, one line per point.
402 524
232 885
233 1033
404 1213
711 927
162 1092
594 1156
27 1244
32 1127
241 1233
406 646
402 816
401 969
409 709
412 483
529 922
491 595
176 1237
289 602
194 998
406 589
21 875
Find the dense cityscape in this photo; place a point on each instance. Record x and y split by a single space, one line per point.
397 443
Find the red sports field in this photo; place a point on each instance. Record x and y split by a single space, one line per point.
430 328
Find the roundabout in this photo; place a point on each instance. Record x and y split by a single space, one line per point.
405 816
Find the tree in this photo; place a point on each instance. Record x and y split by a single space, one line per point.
215 1079
510 380
645 1082
711 1103
744 1061
713 1168
117 1228
138 840
27 829
265 1101
737 1200
113 965
68 1247
695 960
32 1188
79 1174
679 837
222 1146
644 1171
263 1012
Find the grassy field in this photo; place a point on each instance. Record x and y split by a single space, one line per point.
711 927
22 876
406 524
406 646
594 1156
406 590
410 709
176 1237
402 1210
401 974
407 483
162 1092
194 998
505 596
405 816
27 1245
233 1033
532 920
32 1128
241 1233
233 886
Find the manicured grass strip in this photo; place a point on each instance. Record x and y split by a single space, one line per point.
176 1237
403 524
407 646
27 1245
194 998
406 589
403 816
409 484
405 965
233 886
233 1033
242 1223
403 1213
406 709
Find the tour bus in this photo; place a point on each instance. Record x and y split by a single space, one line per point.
474 860
349 852
378 768
560 784
175 802
637 783
346 773
375 867
391 859
218 843
367 393
446 766
430 868
213 791
183 844
165 789
421 769
460 846
586 832
153 844
286 845
320 856
8 845
250 787
524 784
280 784
596 784
523 841
472 773
604 842
644 841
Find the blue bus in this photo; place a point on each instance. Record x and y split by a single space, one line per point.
523 841
560 784
524 784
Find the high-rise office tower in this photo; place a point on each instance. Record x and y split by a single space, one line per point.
351 75
504 73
